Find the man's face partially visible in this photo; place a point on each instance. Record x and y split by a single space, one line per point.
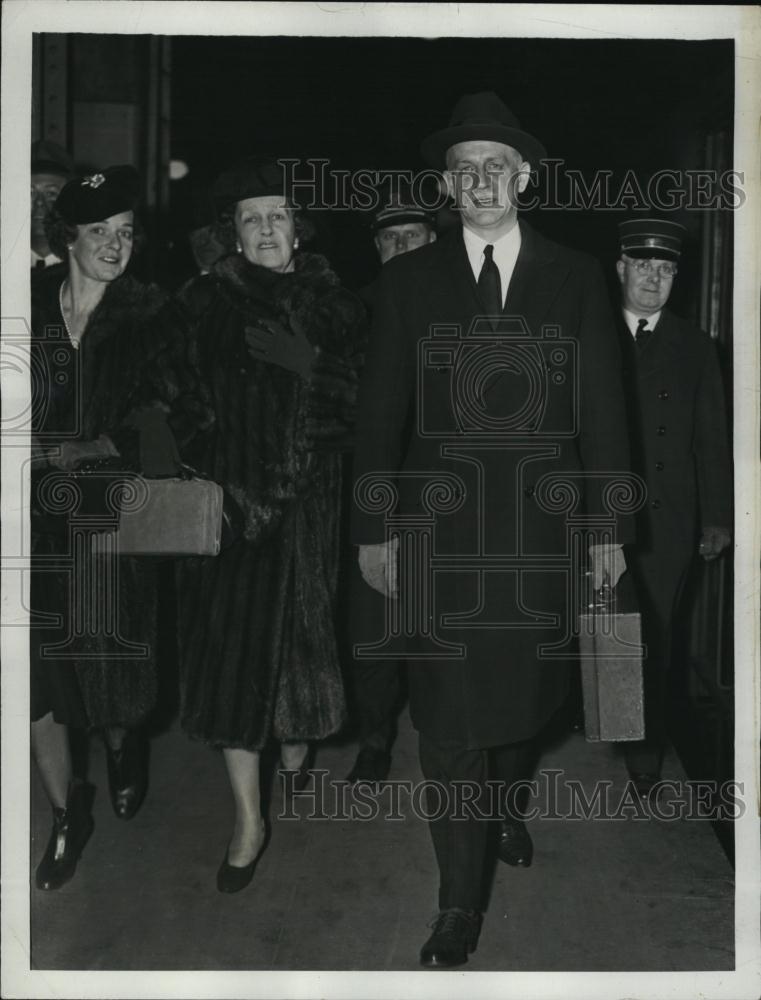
45 189
394 240
645 289
484 178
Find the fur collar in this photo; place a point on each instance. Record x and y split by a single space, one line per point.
253 282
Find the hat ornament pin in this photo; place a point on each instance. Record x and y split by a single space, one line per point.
94 181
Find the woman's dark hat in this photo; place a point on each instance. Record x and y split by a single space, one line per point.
651 238
252 177
98 196
482 116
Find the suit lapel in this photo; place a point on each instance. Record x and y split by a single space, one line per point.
536 280
461 284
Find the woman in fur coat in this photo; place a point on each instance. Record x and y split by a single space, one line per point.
277 341
93 328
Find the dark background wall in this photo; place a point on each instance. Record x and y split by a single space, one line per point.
366 103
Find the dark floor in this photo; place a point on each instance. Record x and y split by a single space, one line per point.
332 893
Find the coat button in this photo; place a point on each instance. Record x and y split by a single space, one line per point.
441 369
655 504
528 491
659 466
663 394
661 431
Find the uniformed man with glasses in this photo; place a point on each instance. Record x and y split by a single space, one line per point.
679 445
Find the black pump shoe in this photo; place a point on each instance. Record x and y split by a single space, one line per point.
127 774
72 828
233 878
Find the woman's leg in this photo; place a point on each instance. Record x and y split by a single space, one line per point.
248 833
293 755
50 746
72 821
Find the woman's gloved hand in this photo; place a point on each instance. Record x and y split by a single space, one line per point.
273 342
71 454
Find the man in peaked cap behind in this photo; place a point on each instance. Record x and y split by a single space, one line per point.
677 417
51 167
480 703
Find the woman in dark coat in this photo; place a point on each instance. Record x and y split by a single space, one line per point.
276 339
91 334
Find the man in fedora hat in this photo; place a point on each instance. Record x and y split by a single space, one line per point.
400 224
677 417
51 167
502 407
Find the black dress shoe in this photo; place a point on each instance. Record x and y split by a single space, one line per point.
645 783
127 774
233 878
72 828
371 766
455 936
515 846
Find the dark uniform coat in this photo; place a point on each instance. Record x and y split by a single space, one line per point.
679 446
555 394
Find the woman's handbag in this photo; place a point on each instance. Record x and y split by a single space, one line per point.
178 516
611 664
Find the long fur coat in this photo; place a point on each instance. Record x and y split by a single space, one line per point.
82 394
258 648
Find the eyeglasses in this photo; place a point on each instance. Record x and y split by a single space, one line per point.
646 267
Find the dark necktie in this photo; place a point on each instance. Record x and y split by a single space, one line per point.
489 285
642 334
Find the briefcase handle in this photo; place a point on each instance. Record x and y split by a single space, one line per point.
622 597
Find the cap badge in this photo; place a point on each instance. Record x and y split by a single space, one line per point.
94 181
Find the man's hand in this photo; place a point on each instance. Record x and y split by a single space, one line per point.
713 541
73 453
607 565
272 342
378 564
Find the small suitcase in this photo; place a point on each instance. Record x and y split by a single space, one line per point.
611 653
171 517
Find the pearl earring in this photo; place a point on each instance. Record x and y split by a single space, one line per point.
295 244
238 248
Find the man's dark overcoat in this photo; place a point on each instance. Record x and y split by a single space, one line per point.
679 445
558 409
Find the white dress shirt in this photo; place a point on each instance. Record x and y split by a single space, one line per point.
632 319
505 254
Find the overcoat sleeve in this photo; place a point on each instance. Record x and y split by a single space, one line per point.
710 444
386 393
603 434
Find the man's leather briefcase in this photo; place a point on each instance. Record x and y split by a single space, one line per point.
610 649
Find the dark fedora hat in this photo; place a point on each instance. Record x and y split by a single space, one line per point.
98 196
482 116
250 177
50 158
660 239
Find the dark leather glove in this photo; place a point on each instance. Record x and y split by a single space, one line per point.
713 541
274 343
